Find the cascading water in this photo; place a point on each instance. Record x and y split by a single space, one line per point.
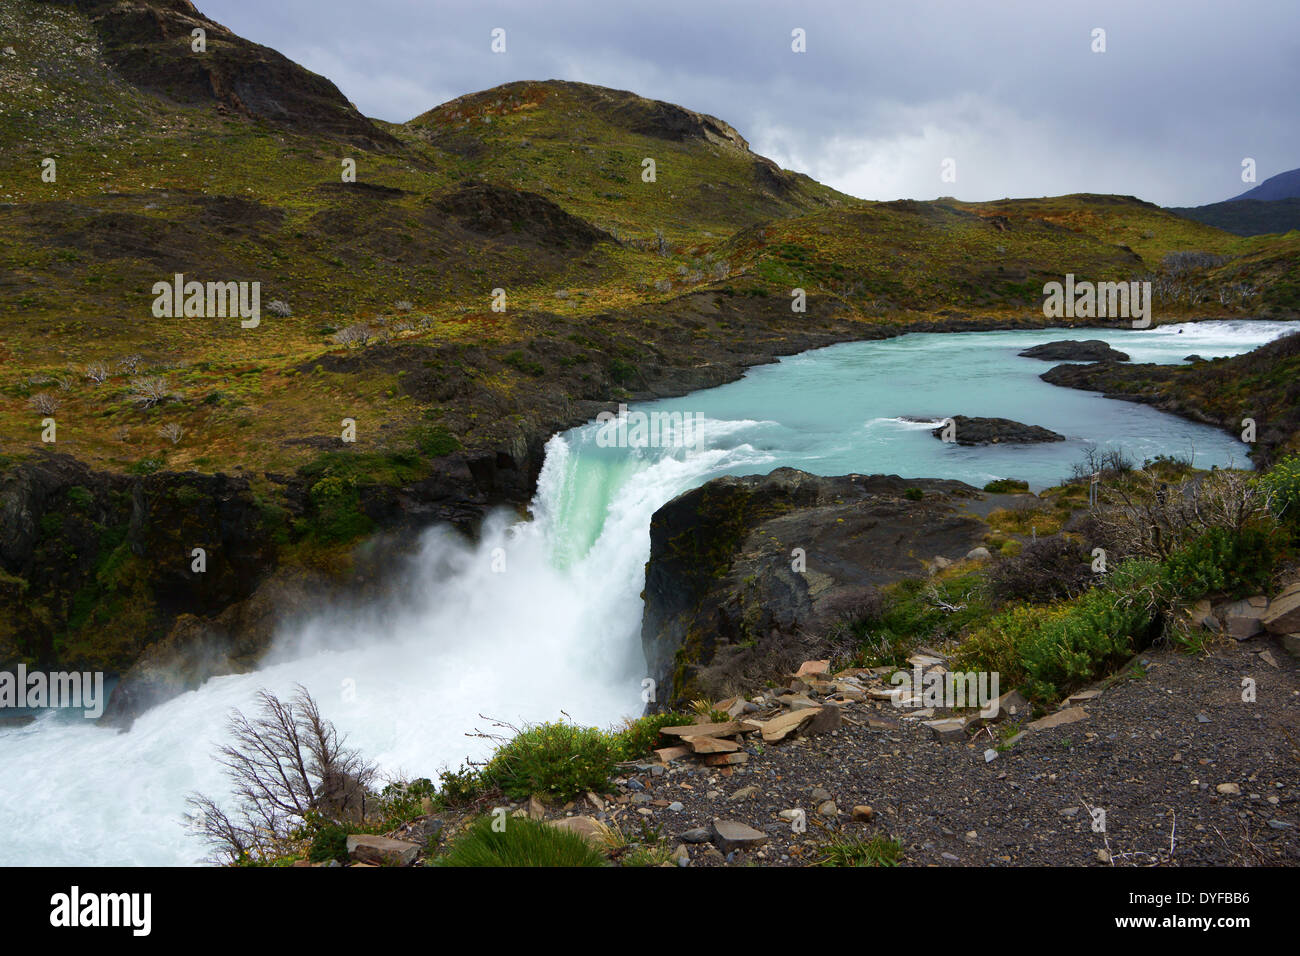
542 616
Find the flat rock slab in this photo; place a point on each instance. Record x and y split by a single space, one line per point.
731 835
729 729
1010 704
725 760
588 828
669 754
1067 716
797 701
379 851
778 728
949 729
813 669
1283 614
711 745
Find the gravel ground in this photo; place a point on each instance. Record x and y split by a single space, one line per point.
1154 755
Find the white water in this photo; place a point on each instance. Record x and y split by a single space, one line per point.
558 628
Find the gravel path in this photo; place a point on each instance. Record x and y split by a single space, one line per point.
1160 754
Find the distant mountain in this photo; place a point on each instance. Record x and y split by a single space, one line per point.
1271 207
1282 186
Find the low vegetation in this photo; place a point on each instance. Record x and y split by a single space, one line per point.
1061 610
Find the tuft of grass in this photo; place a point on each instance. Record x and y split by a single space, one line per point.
521 842
853 851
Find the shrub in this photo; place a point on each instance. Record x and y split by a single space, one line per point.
1000 486
1281 488
553 759
43 403
1043 570
1110 464
288 769
641 736
434 441
80 498
1045 650
1221 562
522 842
621 372
517 360
330 842
279 308
914 494
150 391
1153 518
353 336
338 510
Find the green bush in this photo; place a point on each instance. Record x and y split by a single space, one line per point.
522 842
641 736
1001 486
1220 561
914 494
553 759
338 510
1281 484
434 441
330 842
517 360
1046 650
80 498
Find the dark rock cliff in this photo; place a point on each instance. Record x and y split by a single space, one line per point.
730 602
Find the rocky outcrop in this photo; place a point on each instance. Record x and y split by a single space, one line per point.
1259 385
748 576
149 43
994 431
1070 350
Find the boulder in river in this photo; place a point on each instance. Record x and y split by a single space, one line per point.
1071 350
994 431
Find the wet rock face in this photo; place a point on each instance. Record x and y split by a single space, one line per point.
994 431
105 561
747 575
1070 350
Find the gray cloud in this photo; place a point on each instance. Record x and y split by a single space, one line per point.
1011 91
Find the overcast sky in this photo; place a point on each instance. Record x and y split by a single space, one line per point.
1010 90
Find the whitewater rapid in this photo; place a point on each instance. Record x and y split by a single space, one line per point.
543 615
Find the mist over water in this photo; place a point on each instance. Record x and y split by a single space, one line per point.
542 616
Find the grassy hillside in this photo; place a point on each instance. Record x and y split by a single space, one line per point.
227 165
